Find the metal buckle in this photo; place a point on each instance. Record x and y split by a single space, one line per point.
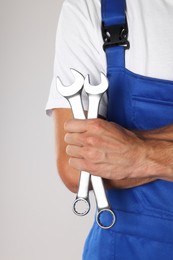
115 35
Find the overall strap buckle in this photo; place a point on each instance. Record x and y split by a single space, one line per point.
115 35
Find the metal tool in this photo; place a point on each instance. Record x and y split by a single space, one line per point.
72 93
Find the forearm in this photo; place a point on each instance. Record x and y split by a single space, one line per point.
69 175
164 134
124 159
116 154
127 183
159 158
159 147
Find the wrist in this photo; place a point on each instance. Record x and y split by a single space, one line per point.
158 162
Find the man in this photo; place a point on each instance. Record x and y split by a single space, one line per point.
132 150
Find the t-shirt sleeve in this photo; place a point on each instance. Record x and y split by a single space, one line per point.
78 46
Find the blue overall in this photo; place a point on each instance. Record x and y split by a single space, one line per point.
144 226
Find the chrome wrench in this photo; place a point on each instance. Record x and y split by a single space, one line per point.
73 95
95 94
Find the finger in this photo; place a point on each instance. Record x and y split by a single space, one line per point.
74 151
84 165
75 126
73 139
78 163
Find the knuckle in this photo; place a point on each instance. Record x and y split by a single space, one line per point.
97 124
89 154
82 139
92 155
88 166
91 140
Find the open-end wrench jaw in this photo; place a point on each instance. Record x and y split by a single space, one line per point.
73 93
98 89
74 88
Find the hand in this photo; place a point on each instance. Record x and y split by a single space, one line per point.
104 149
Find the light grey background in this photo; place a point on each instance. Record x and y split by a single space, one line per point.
36 220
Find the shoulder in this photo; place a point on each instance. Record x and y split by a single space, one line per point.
79 45
82 4
82 13
79 41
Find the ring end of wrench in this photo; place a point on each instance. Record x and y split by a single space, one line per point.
81 206
112 221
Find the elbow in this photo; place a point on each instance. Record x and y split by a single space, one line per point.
69 176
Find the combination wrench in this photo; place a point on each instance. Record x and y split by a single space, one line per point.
73 94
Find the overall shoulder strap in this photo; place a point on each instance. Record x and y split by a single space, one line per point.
114 31
113 12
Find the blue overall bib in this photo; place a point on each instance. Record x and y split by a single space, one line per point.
144 226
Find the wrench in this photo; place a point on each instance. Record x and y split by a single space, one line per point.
95 94
73 95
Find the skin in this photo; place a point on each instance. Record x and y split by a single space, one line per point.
123 158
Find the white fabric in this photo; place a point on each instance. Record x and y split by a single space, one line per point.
79 43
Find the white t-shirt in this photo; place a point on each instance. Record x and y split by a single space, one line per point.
79 43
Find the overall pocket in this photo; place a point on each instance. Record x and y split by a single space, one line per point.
150 113
152 102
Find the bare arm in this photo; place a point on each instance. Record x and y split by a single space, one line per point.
68 174
159 145
112 152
